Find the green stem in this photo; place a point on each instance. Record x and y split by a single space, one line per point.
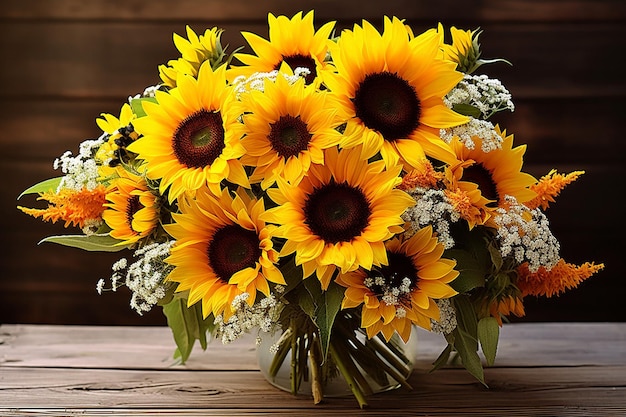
391 357
281 354
294 361
316 383
365 355
393 346
348 375
380 348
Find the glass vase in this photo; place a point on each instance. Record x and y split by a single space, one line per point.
292 361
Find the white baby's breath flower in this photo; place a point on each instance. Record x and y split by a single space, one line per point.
262 315
525 234
256 81
431 208
447 317
81 171
475 128
145 277
486 96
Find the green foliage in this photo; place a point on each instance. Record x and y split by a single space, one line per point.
91 243
136 105
473 260
187 325
444 357
321 306
488 335
464 344
291 272
467 320
471 61
467 110
464 339
50 184
471 270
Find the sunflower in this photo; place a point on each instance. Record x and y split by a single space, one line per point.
187 137
391 88
402 292
120 133
461 46
495 174
286 128
465 49
339 215
222 250
292 41
131 208
194 50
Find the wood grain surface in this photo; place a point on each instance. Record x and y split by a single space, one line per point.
542 369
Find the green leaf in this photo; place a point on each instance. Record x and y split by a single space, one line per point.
204 326
467 320
326 312
187 326
495 256
136 105
471 271
321 306
467 110
43 186
309 294
179 322
92 243
465 346
443 358
488 335
291 272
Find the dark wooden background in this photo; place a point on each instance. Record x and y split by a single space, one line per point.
66 61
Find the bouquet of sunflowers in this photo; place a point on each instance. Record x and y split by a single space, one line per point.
334 190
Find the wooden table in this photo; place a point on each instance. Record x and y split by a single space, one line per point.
542 369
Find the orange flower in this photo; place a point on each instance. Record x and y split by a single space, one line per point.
549 186
464 202
75 207
506 306
561 277
425 177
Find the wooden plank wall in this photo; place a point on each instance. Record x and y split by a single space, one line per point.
66 61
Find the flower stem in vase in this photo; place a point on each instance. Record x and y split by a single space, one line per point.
316 363
295 359
398 368
283 349
376 357
350 374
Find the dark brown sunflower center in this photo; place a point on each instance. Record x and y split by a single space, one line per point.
388 104
232 249
199 139
300 61
289 136
127 135
481 176
337 212
400 267
393 283
134 205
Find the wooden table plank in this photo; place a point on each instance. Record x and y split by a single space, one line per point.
543 369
